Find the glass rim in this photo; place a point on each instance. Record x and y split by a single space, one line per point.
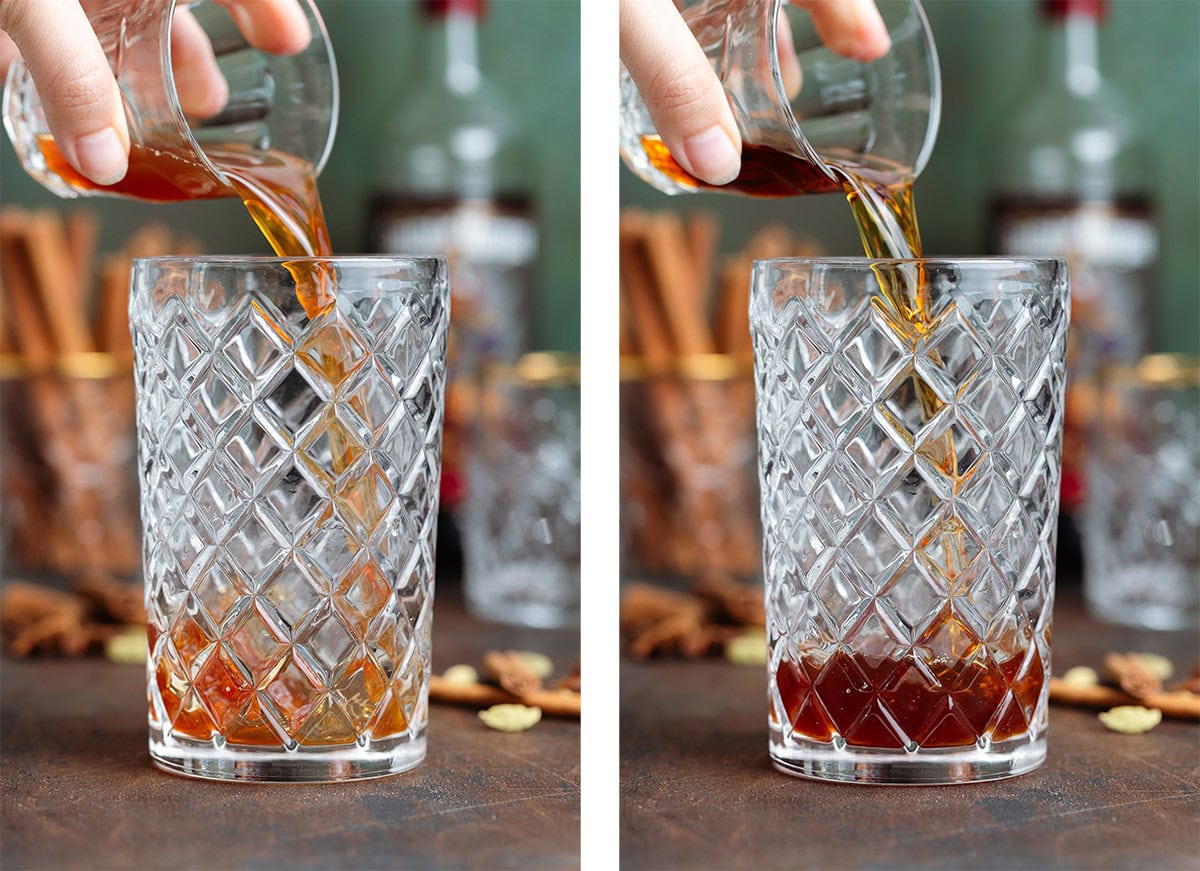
273 260
868 262
318 31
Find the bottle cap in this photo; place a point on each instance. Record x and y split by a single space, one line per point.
441 8
1062 8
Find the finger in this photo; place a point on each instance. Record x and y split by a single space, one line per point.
78 93
275 26
682 93
202 89
853 28
8 53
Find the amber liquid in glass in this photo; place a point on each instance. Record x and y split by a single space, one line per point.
833 694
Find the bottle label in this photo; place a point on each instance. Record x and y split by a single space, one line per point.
1098 236
478 235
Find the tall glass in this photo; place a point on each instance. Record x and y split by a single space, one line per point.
289 475
909 460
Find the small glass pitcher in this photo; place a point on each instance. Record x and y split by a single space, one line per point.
879 118
285 103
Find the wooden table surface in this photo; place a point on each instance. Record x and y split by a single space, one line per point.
79 790
697 790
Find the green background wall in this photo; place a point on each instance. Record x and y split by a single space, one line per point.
1150 53
529 49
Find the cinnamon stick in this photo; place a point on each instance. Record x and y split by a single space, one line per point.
510 670
1179 704
112 308
118 601
82 233
1131 674
703 230
7 343
740 603
652 335
36 618
554 703
1191 683
666 247
29 329
570 681
644 604
732 321
50 258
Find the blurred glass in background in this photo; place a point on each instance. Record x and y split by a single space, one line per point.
521 520
1141 526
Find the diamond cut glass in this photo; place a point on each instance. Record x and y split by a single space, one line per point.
909 469
289 471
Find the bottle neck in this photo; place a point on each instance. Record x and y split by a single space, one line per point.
454 55
1070 56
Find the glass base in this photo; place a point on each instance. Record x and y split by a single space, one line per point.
928 767
272 765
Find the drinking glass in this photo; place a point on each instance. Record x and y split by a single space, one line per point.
289 489
520 524
879 117
909 461
282 103
1141 521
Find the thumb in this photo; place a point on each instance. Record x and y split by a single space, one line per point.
78 93
680 89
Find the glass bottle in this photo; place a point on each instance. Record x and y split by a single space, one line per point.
1071 178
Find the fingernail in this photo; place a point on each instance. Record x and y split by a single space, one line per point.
101 156
713 156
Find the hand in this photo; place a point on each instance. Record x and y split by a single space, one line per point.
79 94
683 94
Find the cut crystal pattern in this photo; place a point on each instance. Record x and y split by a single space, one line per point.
910 492
289 473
